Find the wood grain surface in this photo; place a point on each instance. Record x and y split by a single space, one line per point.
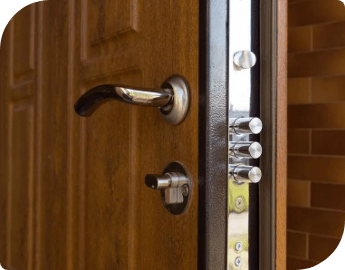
281 182
72 190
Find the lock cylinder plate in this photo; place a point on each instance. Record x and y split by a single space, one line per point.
175 186
168 194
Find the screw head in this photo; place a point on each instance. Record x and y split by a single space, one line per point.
239 203
239 246
238 261
185 190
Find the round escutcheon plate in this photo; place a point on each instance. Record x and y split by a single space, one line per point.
180 208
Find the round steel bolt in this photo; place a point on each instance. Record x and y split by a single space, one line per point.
255 150
255 125
255 175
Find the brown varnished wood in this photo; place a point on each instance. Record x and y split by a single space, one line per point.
281 169
18 142
3 141
72 189
120 210
54 182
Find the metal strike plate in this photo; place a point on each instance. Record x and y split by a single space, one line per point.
243 125
175 186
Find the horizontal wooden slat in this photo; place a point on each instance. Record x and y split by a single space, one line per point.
300 39
293 264
297 1
328 196
317 63
328 89
320 248
298 141
321 222
299 90
298 193
297 244
328 142
315 12
324 169
328 35
316 116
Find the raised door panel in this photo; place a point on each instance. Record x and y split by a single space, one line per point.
23 42
20 201
110 135
18 109
74 188
125 223
108 26
54 202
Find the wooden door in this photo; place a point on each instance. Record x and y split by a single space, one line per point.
73 189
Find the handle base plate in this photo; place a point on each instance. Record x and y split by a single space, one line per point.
178 110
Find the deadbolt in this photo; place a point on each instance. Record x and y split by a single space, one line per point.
242 149
245 125
175 186
242 173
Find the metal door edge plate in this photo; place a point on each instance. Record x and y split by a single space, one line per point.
240 87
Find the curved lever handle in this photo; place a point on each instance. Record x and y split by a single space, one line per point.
86 104
172 98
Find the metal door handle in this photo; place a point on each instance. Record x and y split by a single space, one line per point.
172 98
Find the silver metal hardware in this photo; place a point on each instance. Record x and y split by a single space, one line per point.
242 173
242 149
239 246
239 203
177 111
245 125
238 262
243 99
175 186
172 184
185 190
172 98
244 59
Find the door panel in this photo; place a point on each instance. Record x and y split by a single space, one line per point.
76 196
17 83
20 186
124 143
